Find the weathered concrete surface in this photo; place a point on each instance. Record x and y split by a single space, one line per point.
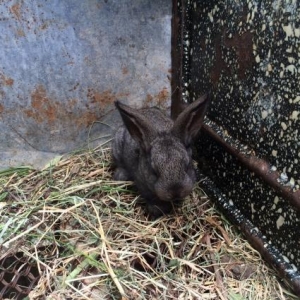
247 54
64 63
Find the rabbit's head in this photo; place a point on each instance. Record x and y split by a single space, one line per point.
166 171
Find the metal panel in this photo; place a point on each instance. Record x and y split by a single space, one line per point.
246 53
63 63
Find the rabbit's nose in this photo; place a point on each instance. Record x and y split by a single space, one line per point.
180 190
173 191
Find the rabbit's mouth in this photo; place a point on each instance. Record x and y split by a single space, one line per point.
174 194
176 201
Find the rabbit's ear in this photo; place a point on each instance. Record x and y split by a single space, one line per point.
138 126
189 122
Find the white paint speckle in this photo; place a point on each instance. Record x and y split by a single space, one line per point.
292 182
264 114
291 60
292 69
288 30
294 115
283 125
285 259
279 222
284 177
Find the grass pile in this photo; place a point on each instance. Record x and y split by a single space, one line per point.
89 238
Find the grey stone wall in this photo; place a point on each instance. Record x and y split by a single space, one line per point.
62 65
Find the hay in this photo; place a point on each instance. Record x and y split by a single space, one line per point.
91 239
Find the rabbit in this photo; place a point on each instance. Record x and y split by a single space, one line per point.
155 152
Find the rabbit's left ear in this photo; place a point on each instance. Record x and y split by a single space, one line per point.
138 126
189 122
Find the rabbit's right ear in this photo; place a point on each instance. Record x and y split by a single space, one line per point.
138 126
189 122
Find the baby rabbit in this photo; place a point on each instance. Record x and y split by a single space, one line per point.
155 153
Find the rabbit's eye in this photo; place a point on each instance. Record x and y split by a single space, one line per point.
155 173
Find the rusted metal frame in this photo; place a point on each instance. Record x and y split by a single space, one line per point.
260 168
177 56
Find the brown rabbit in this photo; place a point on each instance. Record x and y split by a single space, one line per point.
156 153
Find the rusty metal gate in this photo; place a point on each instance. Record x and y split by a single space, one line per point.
246 54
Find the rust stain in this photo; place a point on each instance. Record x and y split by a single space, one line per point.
87 119
242 45
44 26
125 71
46 110
1 108
72 103
148 101
102 98
16 10
105 98
6 80
219 65
9 81
162 96
159 99
20 33
43 108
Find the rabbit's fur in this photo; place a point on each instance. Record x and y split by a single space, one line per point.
155 153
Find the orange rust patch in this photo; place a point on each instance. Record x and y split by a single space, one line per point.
20 33
9 81
159 100
46 110
43 108
44 26
6 80
105 98
148 101
87 119
162 96
125 71
72 103
31 114
1 108
16 10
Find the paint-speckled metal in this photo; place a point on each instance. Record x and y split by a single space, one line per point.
246 53
63 63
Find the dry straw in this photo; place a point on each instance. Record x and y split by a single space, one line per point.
90 238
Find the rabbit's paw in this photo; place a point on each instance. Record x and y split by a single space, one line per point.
157 210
